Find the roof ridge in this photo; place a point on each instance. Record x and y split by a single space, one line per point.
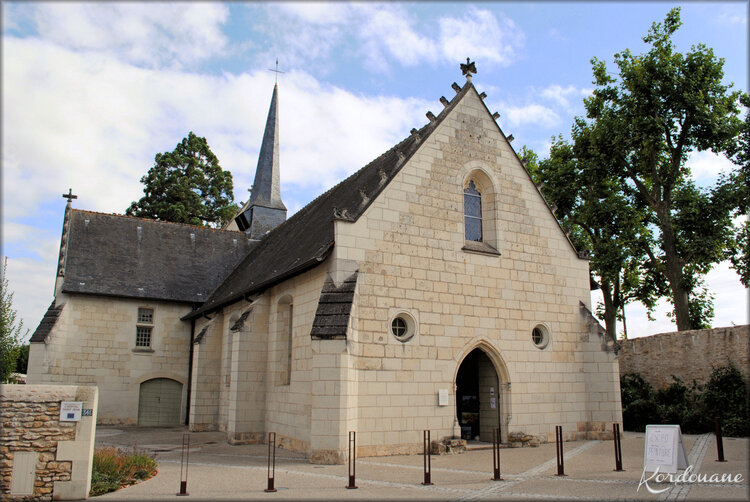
127 216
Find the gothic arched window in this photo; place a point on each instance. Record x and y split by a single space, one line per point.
472 213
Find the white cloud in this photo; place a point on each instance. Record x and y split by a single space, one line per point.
530 114
481 35
706 165
32 282
9 16
149 34
561 96
320 13
732 15
387 34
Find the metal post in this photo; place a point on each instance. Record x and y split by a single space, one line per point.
184 462
719 440
352 459
427 459
618 447
560 460
271 462
496 455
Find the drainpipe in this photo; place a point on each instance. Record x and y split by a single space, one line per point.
190 372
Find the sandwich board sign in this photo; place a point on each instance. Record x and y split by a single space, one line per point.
664 449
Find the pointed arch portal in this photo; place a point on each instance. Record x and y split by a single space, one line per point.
482 397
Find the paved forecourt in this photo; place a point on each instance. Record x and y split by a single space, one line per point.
218 471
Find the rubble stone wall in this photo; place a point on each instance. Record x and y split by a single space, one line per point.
688 355
46 456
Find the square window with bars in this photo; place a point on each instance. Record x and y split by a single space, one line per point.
143 336
145 316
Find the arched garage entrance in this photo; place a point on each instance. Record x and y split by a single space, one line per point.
481 397
159 402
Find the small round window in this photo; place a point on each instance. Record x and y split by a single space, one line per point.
540 336
403 327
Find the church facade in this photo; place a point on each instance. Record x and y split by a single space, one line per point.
432 289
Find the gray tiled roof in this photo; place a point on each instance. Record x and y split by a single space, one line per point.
304 240
334 307
47 323
124 256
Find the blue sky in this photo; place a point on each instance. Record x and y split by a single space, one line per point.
92 91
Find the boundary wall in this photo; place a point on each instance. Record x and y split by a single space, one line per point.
688 355
41 457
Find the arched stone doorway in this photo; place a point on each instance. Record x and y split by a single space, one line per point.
482 396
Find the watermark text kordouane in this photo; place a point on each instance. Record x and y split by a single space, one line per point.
685 477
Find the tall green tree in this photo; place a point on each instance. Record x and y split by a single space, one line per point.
187 185
661 106
735 189
593 208
10 329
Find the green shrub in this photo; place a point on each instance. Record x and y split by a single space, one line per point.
638 405
726 397
694 408
113 468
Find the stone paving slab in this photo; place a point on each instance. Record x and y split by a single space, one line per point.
219 471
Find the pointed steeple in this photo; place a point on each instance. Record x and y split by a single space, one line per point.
265 210
267 187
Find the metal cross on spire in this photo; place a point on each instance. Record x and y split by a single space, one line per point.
69 196
276 71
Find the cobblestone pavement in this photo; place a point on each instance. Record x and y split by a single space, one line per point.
218 471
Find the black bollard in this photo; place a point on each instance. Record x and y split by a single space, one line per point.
496 455
719 440
427 459
560 460
184 461
271 462
352 455
618 447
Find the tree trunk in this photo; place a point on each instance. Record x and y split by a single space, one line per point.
610 310
673 271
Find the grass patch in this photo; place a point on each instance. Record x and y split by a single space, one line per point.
114 468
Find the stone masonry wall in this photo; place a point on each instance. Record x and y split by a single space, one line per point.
689 355
32 430
413 258
93 343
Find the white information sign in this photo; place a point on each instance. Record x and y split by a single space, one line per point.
443 397
492 403
70 411
664 449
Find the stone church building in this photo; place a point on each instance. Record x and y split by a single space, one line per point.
432 289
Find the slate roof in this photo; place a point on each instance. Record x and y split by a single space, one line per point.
305 240
47 323
130 257
334 306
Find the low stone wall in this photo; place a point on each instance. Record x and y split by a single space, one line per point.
688 355
41 457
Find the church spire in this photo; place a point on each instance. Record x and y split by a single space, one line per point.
265 210
267 187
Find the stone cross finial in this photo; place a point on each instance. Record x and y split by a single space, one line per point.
468 68
69 196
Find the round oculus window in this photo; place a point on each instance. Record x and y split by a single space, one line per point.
540 336
403 327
